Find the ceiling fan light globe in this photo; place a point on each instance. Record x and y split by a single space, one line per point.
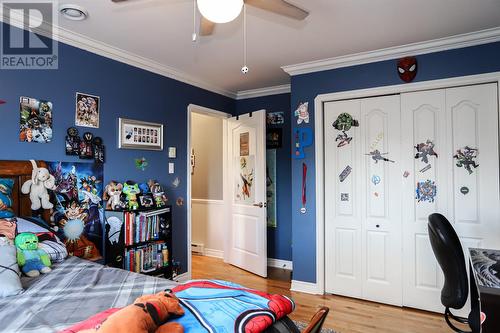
220 11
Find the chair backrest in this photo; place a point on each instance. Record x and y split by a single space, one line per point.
317 321
449 254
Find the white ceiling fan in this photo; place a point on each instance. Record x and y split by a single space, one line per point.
223 11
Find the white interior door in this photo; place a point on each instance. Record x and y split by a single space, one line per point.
247 230
362 211
450 119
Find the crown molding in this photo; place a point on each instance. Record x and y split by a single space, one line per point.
97 47
435 45
260 92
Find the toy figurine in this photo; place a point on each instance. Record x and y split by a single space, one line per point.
131 190
98 150
112 195
72 142
86 149
158 194
144 188
30 258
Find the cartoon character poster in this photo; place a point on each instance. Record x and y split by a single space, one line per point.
78 212
245 190
35 123
87 110
271 187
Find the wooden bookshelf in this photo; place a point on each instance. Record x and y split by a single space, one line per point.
140 241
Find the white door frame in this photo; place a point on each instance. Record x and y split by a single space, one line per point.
319 287
193 108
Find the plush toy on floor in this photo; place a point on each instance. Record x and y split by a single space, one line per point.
41 181
148 314
30 258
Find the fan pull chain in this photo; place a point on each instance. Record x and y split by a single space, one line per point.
194 36
244 69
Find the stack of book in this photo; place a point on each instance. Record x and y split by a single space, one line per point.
141 228
146 258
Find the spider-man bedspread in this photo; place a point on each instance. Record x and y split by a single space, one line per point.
221 306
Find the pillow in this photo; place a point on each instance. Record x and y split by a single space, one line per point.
5 197
10 283
8 228
48 241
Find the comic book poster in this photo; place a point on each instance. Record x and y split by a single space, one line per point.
271 187
87 110
78 212
245 189
35 123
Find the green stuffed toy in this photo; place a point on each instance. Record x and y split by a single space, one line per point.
30 258
131 190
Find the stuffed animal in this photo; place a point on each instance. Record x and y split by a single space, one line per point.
30 258
112 194
158 194
41 181
131 190
148 314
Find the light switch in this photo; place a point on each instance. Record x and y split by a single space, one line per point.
171 168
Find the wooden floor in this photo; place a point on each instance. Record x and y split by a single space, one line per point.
347 315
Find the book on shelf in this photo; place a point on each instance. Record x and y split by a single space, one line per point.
147 258
141 228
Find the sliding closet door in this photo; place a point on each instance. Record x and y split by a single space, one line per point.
363 200
381 199
423 122
454 170
342 204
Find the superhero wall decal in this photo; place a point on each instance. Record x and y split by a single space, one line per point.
407 68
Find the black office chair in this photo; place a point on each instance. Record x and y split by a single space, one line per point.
450 256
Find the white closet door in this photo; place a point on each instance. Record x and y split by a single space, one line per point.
381 199
342 205
423 121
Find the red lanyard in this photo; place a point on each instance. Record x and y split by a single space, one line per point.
304 175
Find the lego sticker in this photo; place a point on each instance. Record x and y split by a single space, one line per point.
426 191
424 150
425 168
343 123
344 196
302 113
466 158
346 172
375 180
376 155
464 190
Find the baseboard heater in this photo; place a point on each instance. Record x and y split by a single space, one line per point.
198 248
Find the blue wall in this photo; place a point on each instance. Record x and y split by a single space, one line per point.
453 63
279 240
125 91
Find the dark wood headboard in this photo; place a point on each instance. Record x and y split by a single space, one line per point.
20 171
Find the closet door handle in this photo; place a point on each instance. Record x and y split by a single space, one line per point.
260 204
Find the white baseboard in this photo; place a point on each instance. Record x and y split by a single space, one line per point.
183 277
278 263
305 287
214 253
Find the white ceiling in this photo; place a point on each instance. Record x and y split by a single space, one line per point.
160 30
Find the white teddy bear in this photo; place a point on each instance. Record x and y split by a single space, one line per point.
41 181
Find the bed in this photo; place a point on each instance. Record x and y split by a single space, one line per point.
75 290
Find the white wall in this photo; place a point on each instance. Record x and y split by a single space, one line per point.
207 205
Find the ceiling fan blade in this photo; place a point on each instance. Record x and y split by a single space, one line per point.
206 27
280 7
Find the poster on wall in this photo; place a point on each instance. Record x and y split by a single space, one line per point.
87 110
271 187
244 144
78 212
136 134
244 177
35 120
274 138
275 118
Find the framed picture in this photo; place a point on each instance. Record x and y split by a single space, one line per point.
35 120
275 118
135 134
87 110
274 138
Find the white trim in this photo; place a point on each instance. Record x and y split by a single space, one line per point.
184 277
305 287
260 92
214 253
278 263
199 109
80 41
442 44
208 201
319 145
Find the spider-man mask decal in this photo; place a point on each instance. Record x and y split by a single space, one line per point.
407 68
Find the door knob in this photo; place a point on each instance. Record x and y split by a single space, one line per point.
260 204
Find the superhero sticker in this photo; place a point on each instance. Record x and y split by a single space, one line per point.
466 158
426 191
345 173
343 123
302 113
424 150
376 155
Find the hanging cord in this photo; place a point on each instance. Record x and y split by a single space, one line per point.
194 36
244 69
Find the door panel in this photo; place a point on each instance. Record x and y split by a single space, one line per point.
247 181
